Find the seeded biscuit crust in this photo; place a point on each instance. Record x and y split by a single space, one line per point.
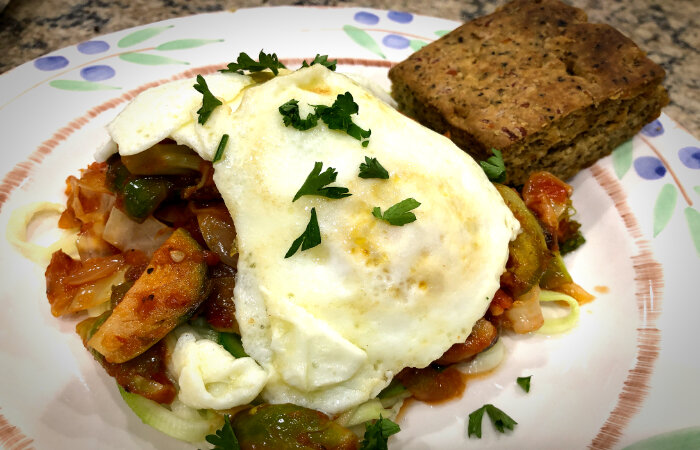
535 80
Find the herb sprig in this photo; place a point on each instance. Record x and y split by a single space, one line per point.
316 181
209 102
246 63
323 60
372 169
494 167
524 382
336 117
220 149
291 116
377 434
225 438
500 420
310 238
399 214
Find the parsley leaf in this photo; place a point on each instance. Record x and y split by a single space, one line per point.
291 116
524 382
209 102
499 419
399 213
474 425
323 60
377 434
315 182
220 149
224 439
494 167
372 169
245 62
337 117
310 238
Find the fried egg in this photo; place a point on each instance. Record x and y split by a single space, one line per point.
333 324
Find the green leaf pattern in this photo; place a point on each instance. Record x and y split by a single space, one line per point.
141 35
664 207
692 216
181 44
417 44
622 159
363 38
77 85
148 59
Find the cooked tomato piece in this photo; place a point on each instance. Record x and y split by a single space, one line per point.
432 384
483 335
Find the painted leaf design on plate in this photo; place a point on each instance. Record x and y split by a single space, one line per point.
149 60
417 44
664 206
181 44
697 189
139 36
622 159
693 218
362 38
77 85
441 33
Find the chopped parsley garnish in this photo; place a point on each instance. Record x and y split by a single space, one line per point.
500 420
291 116
336 116
399 214
209 102
524 382
377 434
372 169
316 181
225 438
220 149
494 167
323 60
310 238
245 62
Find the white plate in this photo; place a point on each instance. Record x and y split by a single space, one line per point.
629 371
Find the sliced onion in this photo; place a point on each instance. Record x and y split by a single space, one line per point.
218 232
20 221
486 360
93 269
369 410
170 423
554 325
90 243
93 295
126 234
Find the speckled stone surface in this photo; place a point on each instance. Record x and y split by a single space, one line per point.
668 30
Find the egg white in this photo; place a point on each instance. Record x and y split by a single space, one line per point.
332 325
170 111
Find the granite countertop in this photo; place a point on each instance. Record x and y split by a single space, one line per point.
667 30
